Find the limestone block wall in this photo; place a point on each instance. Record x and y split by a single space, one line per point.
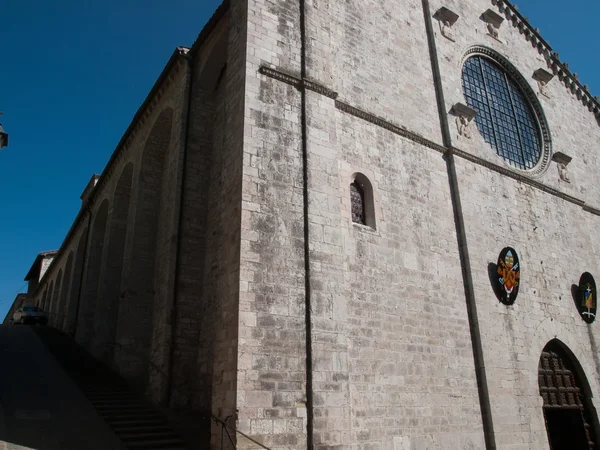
375 55
379 298
554 235
392 358
271 377
556 242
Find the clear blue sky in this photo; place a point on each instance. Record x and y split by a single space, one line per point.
73 73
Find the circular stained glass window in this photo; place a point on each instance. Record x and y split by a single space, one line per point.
504 117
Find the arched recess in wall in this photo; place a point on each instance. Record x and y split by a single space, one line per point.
134 328
362 200
53 313
42 303
76 279
61 310
110 291
49 298
570 417
190 367
89 293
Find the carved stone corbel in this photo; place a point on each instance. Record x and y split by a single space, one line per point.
446 19
493 21
562 161
464 118
543 77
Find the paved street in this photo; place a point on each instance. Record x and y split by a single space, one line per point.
40 407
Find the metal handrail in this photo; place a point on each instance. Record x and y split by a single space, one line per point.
225 427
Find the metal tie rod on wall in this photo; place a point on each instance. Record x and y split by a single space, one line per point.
225 428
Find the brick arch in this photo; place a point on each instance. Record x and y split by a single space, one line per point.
64 294
110 290
52 311
76 279
134 327
89 295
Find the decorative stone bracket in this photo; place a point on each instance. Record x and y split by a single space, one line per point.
543 77
446 19
464 119
562 161
493 21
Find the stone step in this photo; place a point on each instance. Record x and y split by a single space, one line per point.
127 436
117 407
156 443
119 425
135 422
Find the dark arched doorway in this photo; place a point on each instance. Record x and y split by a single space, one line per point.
568 412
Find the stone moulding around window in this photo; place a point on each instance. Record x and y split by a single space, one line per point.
557 67
531 96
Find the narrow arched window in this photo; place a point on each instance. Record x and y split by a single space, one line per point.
361 201
357 197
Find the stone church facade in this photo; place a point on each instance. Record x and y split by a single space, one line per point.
299 233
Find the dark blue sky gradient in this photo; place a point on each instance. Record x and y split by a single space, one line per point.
73 74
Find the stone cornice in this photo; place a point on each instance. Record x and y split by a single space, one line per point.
174 65
516 176
388 126
298 82
566 77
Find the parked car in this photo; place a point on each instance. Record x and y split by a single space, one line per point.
30 314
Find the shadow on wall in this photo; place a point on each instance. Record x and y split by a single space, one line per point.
493 275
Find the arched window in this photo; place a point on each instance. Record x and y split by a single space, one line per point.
361 201
357 196
507 117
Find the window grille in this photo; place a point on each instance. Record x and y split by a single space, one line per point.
357 197
504 116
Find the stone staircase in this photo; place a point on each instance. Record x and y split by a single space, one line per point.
137 424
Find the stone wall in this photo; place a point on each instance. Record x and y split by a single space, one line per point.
223 273
548 225
272 347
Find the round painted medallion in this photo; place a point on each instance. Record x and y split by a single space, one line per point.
586 297
508 274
